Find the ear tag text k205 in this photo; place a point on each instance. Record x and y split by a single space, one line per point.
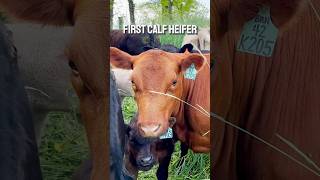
259 35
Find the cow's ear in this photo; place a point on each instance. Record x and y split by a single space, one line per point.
195 59
120 59
185 47
54 12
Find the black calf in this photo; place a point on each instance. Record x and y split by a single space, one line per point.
18 149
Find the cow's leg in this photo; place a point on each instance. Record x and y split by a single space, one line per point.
84 171
162 172
184 151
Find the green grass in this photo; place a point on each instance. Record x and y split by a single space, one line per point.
63 146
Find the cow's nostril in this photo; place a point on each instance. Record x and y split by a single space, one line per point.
156 129
150 130
147 160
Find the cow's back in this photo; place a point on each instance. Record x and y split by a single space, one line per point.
278 95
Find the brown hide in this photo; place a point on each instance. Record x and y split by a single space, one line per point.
267 96
155 70
195 129
87 52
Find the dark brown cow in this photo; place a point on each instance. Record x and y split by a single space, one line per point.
133 44
87 53
155 72
267 95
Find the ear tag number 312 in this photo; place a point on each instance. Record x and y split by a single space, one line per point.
259 35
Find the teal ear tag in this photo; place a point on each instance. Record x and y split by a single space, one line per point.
259 35
168 134
190 72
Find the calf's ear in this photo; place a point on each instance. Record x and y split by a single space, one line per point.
120 59
195 59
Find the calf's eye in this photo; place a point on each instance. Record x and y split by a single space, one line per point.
73 68
174 83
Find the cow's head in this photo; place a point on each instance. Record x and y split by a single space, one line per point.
140 151
87 54
155 72
144 153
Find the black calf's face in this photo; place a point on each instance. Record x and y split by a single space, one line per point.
142 151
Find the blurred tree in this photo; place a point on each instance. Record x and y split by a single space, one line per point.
166 7
180 7
184 6
111 13
120 20
174 11
131 11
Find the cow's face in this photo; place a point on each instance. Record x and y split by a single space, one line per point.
141 151
156 73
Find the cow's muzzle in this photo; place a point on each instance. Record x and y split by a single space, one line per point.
150 130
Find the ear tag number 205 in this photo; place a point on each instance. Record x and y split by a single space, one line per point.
259 35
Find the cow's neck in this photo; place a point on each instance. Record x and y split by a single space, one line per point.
194 92
241 11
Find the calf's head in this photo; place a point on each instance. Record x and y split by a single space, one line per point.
140 151
143 153
155 73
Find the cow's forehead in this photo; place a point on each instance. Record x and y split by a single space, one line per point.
154 71
156 57
156 63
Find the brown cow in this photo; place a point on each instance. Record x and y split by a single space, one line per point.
157 71
87 53
267 95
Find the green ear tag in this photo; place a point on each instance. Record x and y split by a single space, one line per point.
258 35
168 134
191 72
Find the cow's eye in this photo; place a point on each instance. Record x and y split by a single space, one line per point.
134 87
73 68
174 83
